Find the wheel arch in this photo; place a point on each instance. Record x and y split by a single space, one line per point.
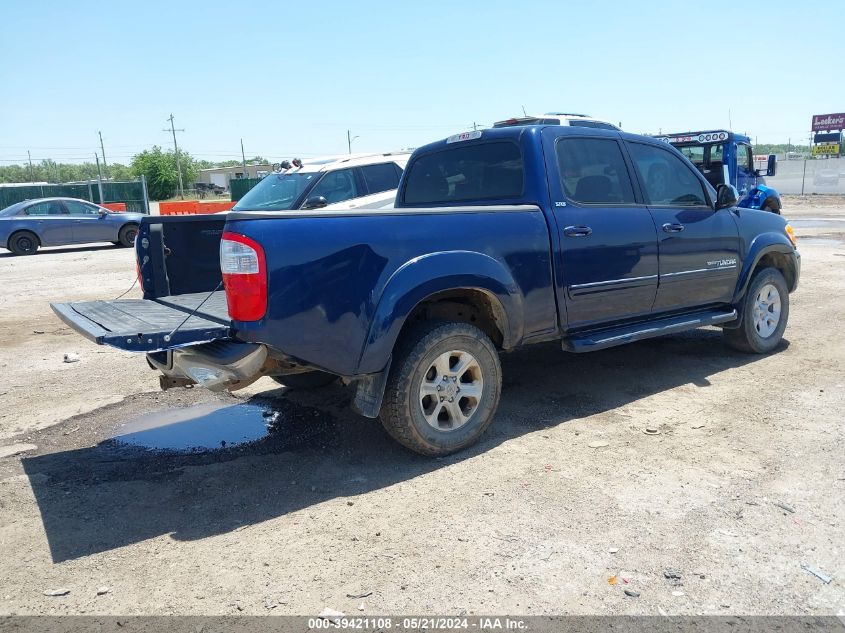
18 231
484 294
775 252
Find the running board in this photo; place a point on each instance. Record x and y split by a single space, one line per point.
601 339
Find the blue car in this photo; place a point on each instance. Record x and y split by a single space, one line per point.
28 225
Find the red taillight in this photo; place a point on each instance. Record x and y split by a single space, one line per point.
138 274
244 277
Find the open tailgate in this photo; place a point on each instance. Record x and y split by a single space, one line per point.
149 325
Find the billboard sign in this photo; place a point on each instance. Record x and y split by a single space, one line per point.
831 137
828 122
826 149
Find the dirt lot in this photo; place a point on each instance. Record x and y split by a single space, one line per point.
325 507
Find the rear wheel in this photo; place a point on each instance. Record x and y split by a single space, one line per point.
764 315
127 234
443 389
308 380
23 243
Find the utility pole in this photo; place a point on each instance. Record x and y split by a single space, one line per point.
99 178
349 139
103 149
173 131
31 173
243 157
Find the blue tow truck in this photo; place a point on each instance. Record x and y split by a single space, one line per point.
499 238
726 158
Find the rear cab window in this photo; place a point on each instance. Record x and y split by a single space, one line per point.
482 171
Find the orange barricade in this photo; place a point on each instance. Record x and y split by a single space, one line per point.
191 207
115 206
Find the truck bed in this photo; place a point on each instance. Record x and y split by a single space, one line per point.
144 325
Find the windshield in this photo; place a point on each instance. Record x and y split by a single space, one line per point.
704 156
277 192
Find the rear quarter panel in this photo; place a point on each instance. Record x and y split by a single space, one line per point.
341 285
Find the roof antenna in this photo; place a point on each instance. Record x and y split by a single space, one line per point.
523 111
730 124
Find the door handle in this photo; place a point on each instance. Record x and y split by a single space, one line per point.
577 231
673 228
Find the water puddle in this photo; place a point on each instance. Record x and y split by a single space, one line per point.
817 223
206 427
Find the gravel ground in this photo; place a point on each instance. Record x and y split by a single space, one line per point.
564 504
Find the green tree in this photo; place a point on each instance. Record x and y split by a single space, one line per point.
159 168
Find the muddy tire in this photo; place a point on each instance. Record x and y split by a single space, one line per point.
764 315
127 234
24 243
308 380
443 389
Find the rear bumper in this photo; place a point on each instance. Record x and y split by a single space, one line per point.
219 365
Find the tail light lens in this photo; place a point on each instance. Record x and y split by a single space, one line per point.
138 275
244 277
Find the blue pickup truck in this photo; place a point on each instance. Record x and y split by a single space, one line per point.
499 238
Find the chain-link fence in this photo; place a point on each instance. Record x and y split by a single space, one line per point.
824 175
132 193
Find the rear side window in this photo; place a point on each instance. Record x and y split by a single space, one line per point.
666 179
44 208
383 177
593 171
470 172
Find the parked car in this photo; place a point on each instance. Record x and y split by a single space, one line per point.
558 118
499 238
361 181
26 226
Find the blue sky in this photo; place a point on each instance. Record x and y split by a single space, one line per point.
291 77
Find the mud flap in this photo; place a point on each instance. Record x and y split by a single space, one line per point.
370 393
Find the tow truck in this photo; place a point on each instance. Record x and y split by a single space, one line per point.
725 158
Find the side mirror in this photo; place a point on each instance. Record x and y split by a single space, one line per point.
103 213
726 197
772 165
316 202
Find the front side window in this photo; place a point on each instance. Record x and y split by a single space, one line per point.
593 171
336 186
378 178
74 207
743 158
666 179
483 171
44 208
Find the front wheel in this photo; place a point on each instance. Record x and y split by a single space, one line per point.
443 389
764 315
772 207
